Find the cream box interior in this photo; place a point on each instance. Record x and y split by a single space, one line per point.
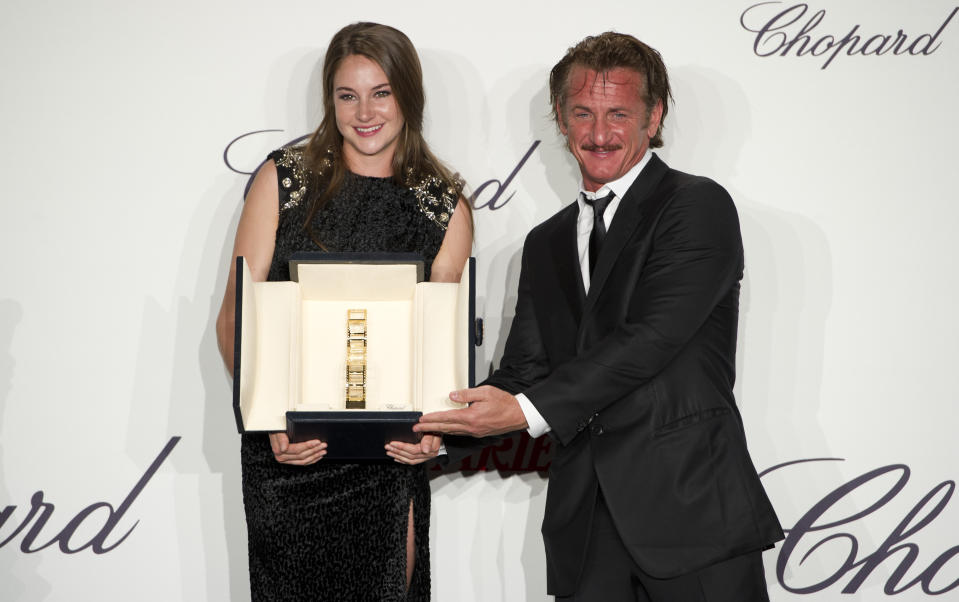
291 342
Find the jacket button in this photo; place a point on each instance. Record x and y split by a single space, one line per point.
580 427
597 429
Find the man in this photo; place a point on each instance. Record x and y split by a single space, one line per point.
623 349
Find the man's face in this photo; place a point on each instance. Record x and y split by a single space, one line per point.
605 123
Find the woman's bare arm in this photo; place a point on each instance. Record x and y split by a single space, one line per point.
456 247
255 241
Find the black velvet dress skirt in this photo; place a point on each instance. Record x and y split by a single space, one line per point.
333 531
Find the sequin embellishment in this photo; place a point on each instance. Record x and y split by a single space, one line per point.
437 199
292 159
435 196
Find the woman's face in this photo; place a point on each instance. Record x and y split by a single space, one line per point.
366 115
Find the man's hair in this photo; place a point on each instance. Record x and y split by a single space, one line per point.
607 51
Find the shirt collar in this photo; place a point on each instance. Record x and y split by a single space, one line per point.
619 186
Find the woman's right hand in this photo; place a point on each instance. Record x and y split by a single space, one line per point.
299 454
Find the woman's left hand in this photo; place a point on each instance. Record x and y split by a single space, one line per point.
415 453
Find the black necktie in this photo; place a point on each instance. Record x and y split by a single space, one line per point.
598 234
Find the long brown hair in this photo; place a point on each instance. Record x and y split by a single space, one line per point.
389 48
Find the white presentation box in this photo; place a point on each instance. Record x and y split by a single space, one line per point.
290 349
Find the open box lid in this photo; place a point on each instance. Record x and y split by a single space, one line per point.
267 333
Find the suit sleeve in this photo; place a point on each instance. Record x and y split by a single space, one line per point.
695 258
524 363
524 357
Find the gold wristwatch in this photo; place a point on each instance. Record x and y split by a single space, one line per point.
355 359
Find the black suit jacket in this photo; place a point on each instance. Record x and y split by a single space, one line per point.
636 380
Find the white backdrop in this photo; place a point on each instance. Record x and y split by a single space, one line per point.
117 214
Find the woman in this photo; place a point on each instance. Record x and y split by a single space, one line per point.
365 181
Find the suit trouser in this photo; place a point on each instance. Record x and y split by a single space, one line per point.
611 575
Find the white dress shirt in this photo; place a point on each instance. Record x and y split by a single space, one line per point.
537 425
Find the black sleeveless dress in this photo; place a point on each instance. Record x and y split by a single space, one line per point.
335 531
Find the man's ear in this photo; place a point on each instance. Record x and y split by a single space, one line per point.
655 118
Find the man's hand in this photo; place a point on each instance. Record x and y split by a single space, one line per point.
492 411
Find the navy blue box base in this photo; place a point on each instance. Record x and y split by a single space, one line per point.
353 435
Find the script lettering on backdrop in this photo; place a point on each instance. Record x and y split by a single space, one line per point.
495 186
494 203
822 525
796 30
518 453
41 511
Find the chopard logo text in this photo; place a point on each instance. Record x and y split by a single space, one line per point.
798 31
81 524
830 524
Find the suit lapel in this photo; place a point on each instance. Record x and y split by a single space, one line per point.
627 217
566 260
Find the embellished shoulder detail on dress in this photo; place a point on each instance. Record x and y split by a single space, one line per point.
437 197
291 176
